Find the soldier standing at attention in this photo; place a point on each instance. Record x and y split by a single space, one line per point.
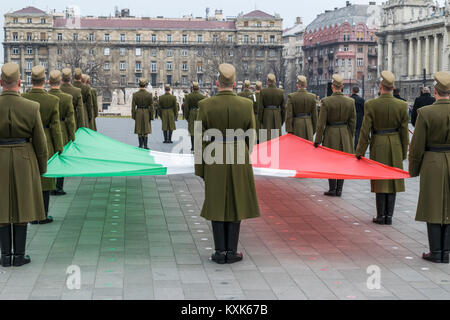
142 113
246 93
49 109
87 97
359 105
271 107
94 94
385 128
155 104
429 157
77 98
230 194
336 127
23 158
191 109
301 113
168 111
67 120
258 87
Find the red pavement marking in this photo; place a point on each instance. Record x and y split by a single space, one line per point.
324 269
312 258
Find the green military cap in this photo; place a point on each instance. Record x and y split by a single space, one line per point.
10 72
337 80
55 76
442 83
301 80
77 74
167 87
247 83
271 77
195 85
38 73
387 79
142 81
66 73
258 85
227 74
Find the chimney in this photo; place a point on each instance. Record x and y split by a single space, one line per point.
299 20
372 3
218 15
348 4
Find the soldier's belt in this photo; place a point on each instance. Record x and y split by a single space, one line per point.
387 131
302 115
14 141
46 126
142 107
194 108
271 107
438 149
225 139
62 119
166 108
337 124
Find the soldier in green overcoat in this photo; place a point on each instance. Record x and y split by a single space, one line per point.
168 111
142 113
191 109
87 82
385 128
271 110
23 158
230 194
49 110
87 97
258 87
429 157
77 98
336 127
67 120
301 112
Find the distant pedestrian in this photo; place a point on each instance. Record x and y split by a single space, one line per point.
359 105
424 100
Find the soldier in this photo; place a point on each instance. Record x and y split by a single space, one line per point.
191 109
87 97
142 113
230 194
336 126
155 104
77 98
94 94
49 110
301 113
429 157
246 93
168 111
385 128
258 87
23 158
271 107
67 120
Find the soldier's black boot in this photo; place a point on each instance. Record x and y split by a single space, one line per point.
220 255
339 186
445 242
141 142
434 239
165 137
20 241
232 230
170 137
145 140
333 186
380 199
390 205
48 219
192 143
6 245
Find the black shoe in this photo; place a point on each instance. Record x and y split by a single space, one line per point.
219 257
232 230
445 243
58 193
165 137
339 186
434 239
390 205
6 246
145 139
34 222
20 240
332 190
49 219
141 142
380 199
170 137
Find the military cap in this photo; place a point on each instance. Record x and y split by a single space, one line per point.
247 83
38 73
195 85
271 77
66 73
142 81
227 74
10 72
88 78
77 74
55 76
301 80
337 80
387 79
258 85
84 77
167 87
442 81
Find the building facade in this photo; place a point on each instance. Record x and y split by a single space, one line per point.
343 41
293 55
413 40
118 50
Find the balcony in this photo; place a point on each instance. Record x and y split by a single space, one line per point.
331 54
320 57
330 70
320 71
372 68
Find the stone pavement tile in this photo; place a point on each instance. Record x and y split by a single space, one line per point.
435 293
77 295
258 294
198 291
277 280
313 287
140 293
289 293
192 274
405 292
109 280
250 280
168 293
165 273
226 287
38 293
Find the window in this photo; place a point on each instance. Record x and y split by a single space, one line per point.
15 36
230 53
184 80
272 39
199 38
343 63
246 38
29 50
60 37
106 52
106 37
153 66
360 62
154 78
199 67
169 38
138 38
122 51
272 53
138 66
259 53
58 51
153 52
75 37
28 78
91 37
259 39
346 48
184 53
153 38
29 20
258 24
29 36
43 63
15 50
272 23
15 20
169 66
29 64
123 80
246 53
230 38
122 37
215 38
337 62
200 79
349 62
200 52
245 66
360 50
123 65
258 68
59 65
184 66
169 52
106 67
169 79
184 38
138 52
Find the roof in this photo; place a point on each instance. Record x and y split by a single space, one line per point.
29 11
258 14
133 23
291 32
353 14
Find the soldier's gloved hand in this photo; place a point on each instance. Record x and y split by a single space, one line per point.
358 157
316 144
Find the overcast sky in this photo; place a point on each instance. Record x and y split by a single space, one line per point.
288 9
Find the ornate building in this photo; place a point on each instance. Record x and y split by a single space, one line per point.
118 50
293 55
413 40
343 41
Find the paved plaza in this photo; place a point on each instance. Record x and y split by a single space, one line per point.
143 238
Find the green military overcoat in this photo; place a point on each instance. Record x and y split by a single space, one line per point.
21 165
94 107
230 193
168 111
432 130
191 109
255 97
298 122
66 115
87 103
49 110
270 117
142 116
77 102
383 113
336 109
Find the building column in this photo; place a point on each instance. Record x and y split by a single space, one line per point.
390 43
411 59
427 54
380 58
419 57
436 54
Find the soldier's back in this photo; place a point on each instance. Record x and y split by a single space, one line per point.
47 103
272 96
17 116
303 101
436 118
386 111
